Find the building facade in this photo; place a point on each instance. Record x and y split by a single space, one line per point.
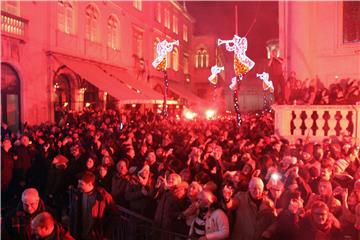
73 53
320 38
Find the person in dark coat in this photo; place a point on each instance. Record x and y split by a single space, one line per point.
22 164
7 166
120 180
90 209
319 223
45 227
287 224
169 205
18 223
104 177
140 191
55 190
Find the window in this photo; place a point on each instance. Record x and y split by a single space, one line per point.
137 4
137 43
92 19
175 24
113 32
12 7
10 96
158 13
351 21
168 60
157 40
65 17
175 58
201 58
186 64
185 33
167 18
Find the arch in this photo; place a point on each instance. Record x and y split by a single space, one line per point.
202 58
157 40
65 86
66 16
10 96
113 30
92 15
175 59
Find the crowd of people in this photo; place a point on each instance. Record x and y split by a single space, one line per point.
204 179
312 91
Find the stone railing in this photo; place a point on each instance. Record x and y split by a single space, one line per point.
13 26
317 122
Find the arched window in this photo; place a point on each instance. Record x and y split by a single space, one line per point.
201 58
92 21
157 40
66 17
175 58
12 7
113 32
62 89
10 97
138 43
168 60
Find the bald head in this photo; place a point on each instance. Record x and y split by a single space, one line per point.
256 187
30 200
43 224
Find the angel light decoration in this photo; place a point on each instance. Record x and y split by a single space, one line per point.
267 84
214 71
162 49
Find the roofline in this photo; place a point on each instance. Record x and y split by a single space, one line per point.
186 14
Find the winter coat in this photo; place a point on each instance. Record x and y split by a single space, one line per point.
216 225
18 223
118 187
99 205
138 201
287 226
167 211
250 222
23 162
308 230
7 166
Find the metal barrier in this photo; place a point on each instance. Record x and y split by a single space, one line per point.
132 226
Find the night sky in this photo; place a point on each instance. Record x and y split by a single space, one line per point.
218 18
259 20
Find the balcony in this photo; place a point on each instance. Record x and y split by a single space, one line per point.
13 26
317 122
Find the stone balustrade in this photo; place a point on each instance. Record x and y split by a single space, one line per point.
13 26
317 122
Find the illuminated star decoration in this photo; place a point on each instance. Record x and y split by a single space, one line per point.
214 71
267 85
242 65
160 64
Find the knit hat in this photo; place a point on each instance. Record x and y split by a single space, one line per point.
342 164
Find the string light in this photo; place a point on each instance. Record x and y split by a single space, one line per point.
166 85
160 63
236 102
